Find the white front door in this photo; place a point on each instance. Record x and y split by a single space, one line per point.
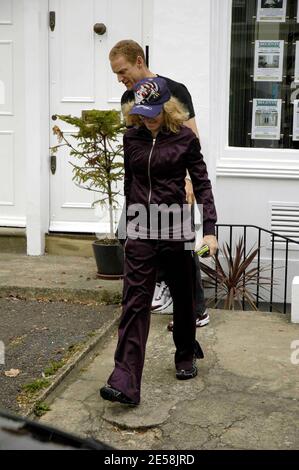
80 79
12 92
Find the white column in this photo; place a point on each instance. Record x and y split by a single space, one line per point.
295 300
36 123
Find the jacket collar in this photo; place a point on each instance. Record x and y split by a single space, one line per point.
142 130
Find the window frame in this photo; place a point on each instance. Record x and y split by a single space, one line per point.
237 161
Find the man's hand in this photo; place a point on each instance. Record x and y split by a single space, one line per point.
211 241
190 198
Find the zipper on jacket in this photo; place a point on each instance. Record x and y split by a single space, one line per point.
149 172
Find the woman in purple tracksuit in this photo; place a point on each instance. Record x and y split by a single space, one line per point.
157 152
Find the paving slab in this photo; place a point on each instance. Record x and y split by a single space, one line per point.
244 397
55 277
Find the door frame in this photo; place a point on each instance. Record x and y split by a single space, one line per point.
36 13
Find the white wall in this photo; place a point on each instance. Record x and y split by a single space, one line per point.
246 200
180 50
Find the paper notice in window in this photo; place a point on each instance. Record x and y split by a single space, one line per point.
296 75
268 61
271 11
266 119
296 120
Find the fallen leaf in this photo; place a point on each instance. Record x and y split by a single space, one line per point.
16 298
40 328
12 372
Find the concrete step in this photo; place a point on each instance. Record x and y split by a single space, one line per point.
64 244
13 240
55 277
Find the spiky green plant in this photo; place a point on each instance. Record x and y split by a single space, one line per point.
99 154
236 277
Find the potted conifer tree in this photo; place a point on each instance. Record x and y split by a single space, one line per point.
98 167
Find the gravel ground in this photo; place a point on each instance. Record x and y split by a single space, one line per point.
33 334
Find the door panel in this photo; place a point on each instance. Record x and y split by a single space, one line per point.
12 164
80 79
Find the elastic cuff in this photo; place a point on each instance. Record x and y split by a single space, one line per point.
209 229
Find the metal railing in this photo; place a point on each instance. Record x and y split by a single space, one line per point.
272 246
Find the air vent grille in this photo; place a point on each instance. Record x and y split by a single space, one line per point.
285 221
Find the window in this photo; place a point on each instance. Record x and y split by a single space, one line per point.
264 74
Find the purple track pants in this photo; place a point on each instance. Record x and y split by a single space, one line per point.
140 270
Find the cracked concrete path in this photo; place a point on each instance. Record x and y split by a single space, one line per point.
245 396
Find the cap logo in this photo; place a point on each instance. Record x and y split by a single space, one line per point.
142 106
146 92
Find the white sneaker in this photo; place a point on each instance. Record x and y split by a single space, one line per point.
156 296
166 309
158 299
162 298
203 320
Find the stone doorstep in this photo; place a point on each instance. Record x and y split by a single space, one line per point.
106 296
12 232
13 240
69 245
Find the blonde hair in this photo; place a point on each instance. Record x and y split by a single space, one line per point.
174 115
129 49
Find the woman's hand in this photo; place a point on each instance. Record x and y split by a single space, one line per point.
211 241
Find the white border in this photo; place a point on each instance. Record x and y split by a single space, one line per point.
237 161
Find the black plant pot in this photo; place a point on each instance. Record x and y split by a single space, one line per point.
109 259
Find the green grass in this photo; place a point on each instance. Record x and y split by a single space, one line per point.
41 408
53 367
36 385
110 298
